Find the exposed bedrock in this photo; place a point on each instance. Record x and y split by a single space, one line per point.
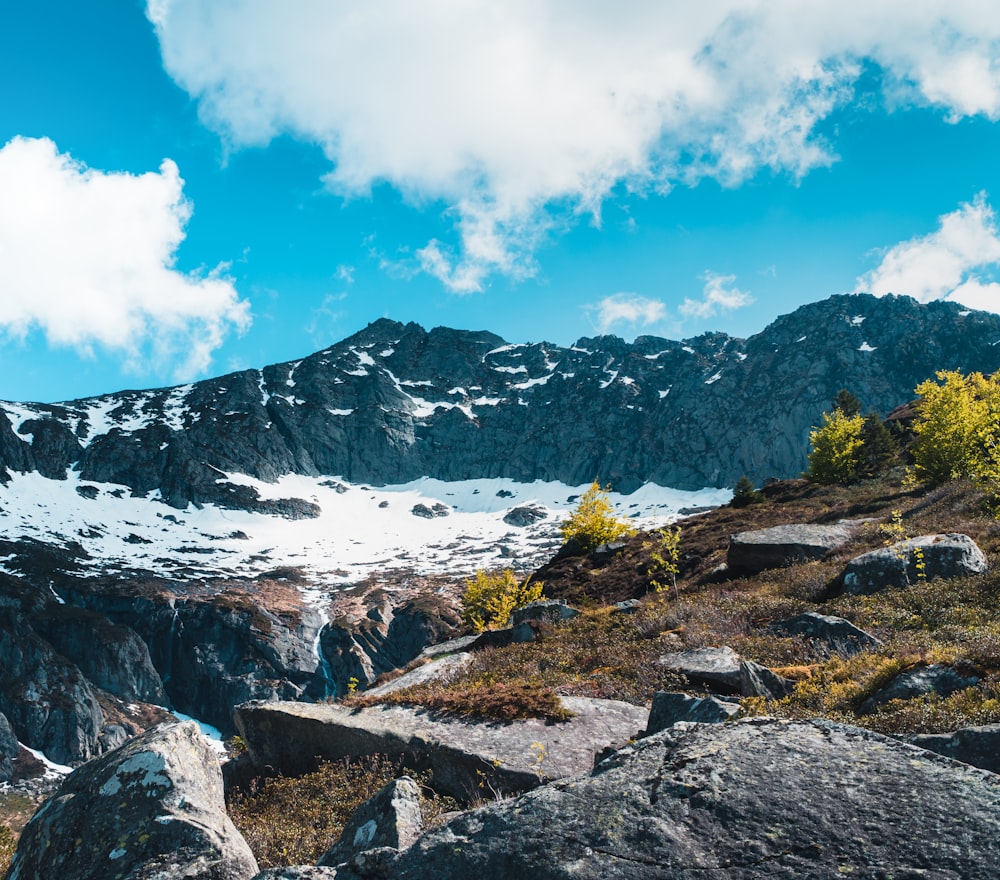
395 402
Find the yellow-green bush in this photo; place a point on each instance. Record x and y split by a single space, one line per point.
836 448
491 596
593 521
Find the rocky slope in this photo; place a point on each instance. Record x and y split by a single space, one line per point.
395 402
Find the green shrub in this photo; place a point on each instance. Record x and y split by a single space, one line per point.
745 493
664 558
593 521
836 448
491 596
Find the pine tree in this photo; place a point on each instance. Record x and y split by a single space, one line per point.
880 447
847 403
745 493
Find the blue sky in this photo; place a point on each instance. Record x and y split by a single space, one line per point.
189 187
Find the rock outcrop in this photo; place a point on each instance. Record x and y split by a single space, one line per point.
907 562
827 634
780 546
669 708
387 638
978 746
932 679
467 758
152 810
750 799
391 818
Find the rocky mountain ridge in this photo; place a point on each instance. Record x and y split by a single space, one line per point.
395 402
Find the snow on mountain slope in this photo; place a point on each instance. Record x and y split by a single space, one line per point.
360 531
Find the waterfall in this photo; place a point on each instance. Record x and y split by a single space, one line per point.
323 669
168 663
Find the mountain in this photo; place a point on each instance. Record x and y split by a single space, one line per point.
277 533
396 402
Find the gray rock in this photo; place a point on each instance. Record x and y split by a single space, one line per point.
389 819
112 657
669 708
467 758
742 801
943 556
941 680
521 517
781 546
544 611
9 750
451 646
442 669
759 681
629 606
717 668
151 810
827 634
298 872
387 639
47 700
978 746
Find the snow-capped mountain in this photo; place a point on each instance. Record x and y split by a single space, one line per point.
395 403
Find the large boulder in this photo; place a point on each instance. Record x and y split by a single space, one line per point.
907 562
752 799
668 708
827 634
781 546
716 668
467 757
916 682
978 746
389 819
153 809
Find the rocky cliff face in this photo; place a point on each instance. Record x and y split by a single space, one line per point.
395 402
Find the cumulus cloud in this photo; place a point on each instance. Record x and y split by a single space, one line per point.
627 308
87 257
513 114
719 295
952 262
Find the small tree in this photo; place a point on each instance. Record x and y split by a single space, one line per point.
491 596
880 448
664 558
836 448
953 421
847 403
745 493
593 522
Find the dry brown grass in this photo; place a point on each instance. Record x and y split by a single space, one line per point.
293 821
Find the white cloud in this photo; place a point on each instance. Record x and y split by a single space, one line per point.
87 257
719 295
512 113
948 263
627 308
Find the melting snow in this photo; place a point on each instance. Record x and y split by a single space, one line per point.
353 537
714 378
857 320
866 347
